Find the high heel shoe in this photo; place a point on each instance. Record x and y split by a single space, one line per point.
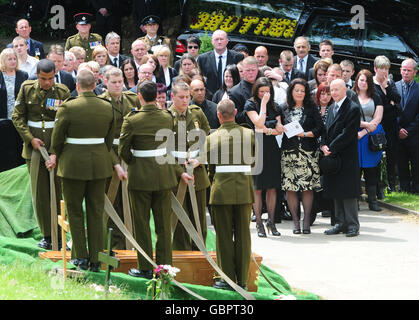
261 230
272 228
296 231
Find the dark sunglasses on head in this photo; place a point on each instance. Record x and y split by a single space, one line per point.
193 47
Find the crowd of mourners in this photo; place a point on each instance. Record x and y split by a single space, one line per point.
297 88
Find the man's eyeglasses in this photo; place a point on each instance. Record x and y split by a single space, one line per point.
193 47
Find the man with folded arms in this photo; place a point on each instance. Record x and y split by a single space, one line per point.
150 178
82 138
33 116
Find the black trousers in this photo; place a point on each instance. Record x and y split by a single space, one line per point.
390 128
408 167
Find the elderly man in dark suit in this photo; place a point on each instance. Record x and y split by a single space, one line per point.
35 48
408 125
303 61
213 63
56 54
113 44
341 139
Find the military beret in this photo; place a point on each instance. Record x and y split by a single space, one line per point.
83 18
150 19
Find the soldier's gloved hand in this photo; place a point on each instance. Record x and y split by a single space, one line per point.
36 143
186 177
122 175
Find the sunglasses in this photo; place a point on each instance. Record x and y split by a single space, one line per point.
193 47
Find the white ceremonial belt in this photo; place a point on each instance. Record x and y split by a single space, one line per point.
116 142
41 124
184 154
85 140
149 153
226 169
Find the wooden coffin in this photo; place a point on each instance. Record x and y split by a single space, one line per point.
194 267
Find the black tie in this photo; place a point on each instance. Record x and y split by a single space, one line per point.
56 78
287 79
220 70
115 62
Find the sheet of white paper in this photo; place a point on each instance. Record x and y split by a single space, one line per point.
293 128
279 139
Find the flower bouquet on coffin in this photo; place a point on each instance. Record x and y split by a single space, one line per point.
161 284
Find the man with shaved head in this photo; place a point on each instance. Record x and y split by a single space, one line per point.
198 93
213 63
261 55
340 141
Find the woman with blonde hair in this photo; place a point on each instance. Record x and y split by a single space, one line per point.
166 73
100 55
10 81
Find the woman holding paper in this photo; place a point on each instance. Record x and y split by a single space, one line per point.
263 115
300 157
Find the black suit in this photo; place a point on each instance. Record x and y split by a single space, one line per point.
112 22
121 59
239 95
310 63
295 73
208 67
35 49
409 147
341 136
161 79
11 143
210 110
64 78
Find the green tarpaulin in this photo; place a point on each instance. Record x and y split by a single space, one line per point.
19 236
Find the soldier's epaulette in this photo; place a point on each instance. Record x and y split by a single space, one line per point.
194 107
169 112
134 111
129 93
62 87
28 82
104 99
70 98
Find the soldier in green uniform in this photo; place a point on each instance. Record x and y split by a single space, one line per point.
123 102
84 38
189 119
33 116
82 139
231 194
151 39
150 177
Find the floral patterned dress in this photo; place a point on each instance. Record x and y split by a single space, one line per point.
300 168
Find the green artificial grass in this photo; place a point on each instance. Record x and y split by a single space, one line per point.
403 199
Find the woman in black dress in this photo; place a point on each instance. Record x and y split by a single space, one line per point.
263 115
300 153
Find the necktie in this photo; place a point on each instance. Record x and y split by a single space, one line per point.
56 78
302 65
115 62
287 78
220 70
405 94
335 109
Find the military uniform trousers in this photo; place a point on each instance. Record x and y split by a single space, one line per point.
43 202
233 243
160 203
181 239
93 191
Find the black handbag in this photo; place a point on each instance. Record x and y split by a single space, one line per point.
330 165
376 142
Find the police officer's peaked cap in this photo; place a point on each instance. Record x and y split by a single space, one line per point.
150 19
83 18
